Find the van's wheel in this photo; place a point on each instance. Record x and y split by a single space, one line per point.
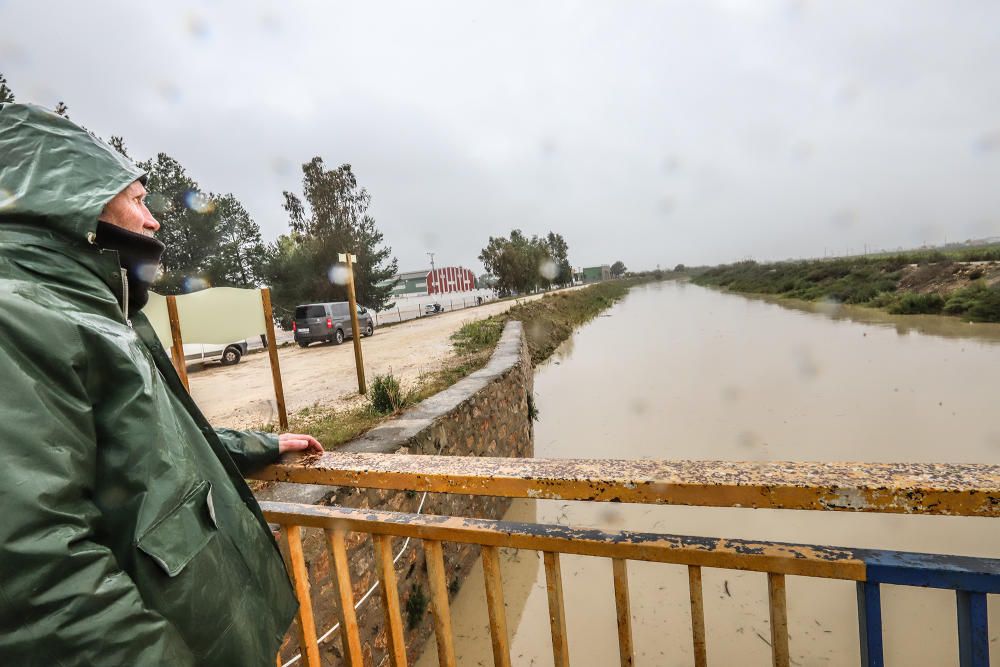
369 330
338 338
231 355
303 343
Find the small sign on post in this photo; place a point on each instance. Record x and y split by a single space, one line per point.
349 259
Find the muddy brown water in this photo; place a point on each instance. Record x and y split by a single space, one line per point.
677 371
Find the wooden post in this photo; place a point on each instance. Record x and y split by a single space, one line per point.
177 342
272 353
352 301
300 578
624 610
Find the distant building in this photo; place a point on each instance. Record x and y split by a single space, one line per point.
442 280
411 282
450 279
593 274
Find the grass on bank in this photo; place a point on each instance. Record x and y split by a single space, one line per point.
547 322
886 282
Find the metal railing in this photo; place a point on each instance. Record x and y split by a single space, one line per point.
942 489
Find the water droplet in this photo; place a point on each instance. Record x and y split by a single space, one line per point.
157 203
548 269
7 199
147 272
196 26
338 274
198 202
829 307
195 284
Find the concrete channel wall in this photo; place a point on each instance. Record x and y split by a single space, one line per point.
485 414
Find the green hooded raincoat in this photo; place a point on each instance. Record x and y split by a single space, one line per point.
127 535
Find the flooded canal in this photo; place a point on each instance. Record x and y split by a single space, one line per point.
676 371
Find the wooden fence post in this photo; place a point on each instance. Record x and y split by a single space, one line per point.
177 344
272 353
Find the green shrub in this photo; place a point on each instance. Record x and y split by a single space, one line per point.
883 300
987 308
385 395
416 607
478 335
977 302
913 303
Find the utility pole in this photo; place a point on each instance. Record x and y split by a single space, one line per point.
433 274
352 301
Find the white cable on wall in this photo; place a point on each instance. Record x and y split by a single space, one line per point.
357 605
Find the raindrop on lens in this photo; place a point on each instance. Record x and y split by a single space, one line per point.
338 274
157 203
194 284
147 271
198 202
548 269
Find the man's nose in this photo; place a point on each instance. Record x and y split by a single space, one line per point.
151 222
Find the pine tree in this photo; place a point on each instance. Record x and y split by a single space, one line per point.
118 143
6 94
188 226
334 219
241 253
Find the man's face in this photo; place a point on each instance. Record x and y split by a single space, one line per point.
128 210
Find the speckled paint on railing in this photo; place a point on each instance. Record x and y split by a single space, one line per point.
916 488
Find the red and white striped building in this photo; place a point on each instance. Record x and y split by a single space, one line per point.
450 279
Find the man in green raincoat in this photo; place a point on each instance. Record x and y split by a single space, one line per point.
127 535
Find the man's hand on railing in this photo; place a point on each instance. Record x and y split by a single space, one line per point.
296 442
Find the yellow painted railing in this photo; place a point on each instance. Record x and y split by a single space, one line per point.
960 490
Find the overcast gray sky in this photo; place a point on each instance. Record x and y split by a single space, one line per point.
656 133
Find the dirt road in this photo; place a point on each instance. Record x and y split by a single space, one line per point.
242 396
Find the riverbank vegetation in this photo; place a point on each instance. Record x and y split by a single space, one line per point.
963 283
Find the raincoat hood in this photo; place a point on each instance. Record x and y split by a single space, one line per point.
55 175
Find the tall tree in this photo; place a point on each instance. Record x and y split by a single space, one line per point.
334 219
6 94
558 251
118 143
522 264
188 225
240 255
618 269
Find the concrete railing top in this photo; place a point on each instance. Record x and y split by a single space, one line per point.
910 488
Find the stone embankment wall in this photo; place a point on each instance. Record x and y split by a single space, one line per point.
486 414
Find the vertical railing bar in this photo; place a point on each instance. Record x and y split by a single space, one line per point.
779 619
495 606
349 637
619 568
557 611
300 577
870 624
973 630
386 571
439 602
697 616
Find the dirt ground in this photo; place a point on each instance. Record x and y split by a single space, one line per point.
242 396
945 277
